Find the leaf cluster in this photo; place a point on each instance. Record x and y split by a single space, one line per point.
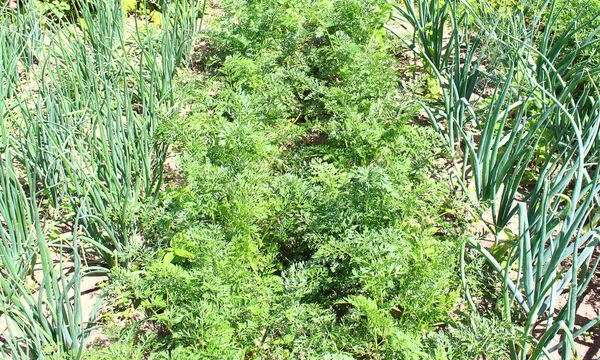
309 224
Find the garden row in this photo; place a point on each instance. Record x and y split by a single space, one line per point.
267 187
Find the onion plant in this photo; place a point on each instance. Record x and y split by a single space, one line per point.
102 94
438 29
542 122
80 107
40 301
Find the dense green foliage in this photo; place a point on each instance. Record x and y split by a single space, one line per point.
71 10
307 221
267 188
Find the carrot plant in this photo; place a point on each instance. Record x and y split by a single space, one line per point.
308 223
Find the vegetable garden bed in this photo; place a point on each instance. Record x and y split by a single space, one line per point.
299 179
